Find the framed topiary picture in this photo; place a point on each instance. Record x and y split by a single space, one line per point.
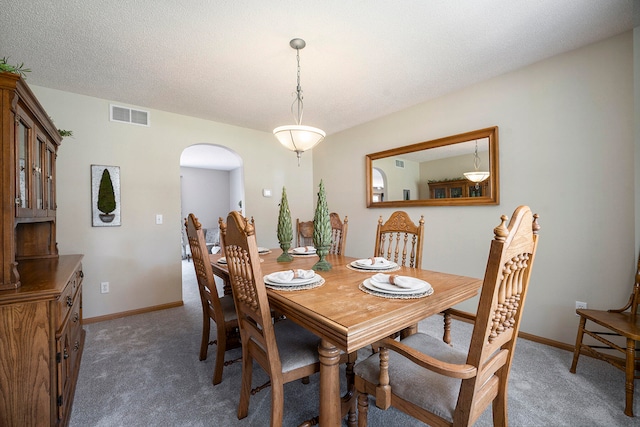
105 196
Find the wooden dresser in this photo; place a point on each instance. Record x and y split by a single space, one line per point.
41 334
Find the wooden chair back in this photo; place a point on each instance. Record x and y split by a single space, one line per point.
249 292
338 234
497 323
204 274
257 330
427 362
215 308
304 233
608 328
399 239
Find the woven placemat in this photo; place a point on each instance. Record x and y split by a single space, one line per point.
311 285
372 271
395 296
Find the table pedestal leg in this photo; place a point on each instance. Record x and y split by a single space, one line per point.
330 413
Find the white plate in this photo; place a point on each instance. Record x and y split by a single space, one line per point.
310 252
393 289
273 280
263 250
222 260
388 266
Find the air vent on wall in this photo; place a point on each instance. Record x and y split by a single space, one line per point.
400 164
129 115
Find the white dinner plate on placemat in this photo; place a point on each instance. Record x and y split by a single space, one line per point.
420 287
273 279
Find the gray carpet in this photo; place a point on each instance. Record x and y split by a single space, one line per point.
144 371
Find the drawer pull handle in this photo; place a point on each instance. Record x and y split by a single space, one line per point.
66 354
76 346
76 316
81 273
69 301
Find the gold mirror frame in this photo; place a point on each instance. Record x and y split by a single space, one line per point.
490 187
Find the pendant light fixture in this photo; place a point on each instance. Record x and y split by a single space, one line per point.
476 176
297 137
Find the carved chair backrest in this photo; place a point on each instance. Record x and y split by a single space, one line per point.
634 299
400 239
304 233
338 234
502 299
204 274
249 292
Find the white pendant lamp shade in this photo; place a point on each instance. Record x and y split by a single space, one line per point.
299 138
476 176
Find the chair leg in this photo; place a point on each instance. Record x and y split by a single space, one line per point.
576 351
277 403
204 342
630 370
221 349
245 387
447 327
363 409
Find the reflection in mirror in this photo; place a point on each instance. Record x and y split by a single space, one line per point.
438 172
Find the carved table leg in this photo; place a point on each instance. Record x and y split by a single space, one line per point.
330 414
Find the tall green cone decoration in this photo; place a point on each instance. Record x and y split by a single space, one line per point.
285 230
322 231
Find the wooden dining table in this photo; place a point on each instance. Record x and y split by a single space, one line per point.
346 318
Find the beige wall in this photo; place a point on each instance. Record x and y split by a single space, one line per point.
142 260
566 149
566 137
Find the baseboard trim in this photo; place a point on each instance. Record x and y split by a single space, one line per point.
132 312
470 317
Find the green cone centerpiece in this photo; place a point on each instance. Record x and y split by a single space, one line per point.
322 231
285 230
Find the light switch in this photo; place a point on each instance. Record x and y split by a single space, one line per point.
266 192
158 218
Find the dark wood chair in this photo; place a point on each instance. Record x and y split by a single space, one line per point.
284 350
304 233
219 309
399 239
623 323
440 385
338 234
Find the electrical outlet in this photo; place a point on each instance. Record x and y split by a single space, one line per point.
580 304
104 287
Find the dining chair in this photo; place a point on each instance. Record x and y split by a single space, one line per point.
444 386
399 239
338 234
284 350
219 309
304 233
623 323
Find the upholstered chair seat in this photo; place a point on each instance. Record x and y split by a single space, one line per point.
409 381
297 346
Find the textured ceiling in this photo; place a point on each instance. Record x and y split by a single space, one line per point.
230 61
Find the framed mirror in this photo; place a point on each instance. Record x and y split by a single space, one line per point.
452 171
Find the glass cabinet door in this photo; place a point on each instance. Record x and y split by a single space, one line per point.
38 176
24 171
50 180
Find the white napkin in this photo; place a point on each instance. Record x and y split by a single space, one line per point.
373 261
304 250
404 282
289 275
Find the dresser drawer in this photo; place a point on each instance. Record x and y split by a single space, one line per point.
67 299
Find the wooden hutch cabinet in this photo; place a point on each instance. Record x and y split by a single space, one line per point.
41 334
458 188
